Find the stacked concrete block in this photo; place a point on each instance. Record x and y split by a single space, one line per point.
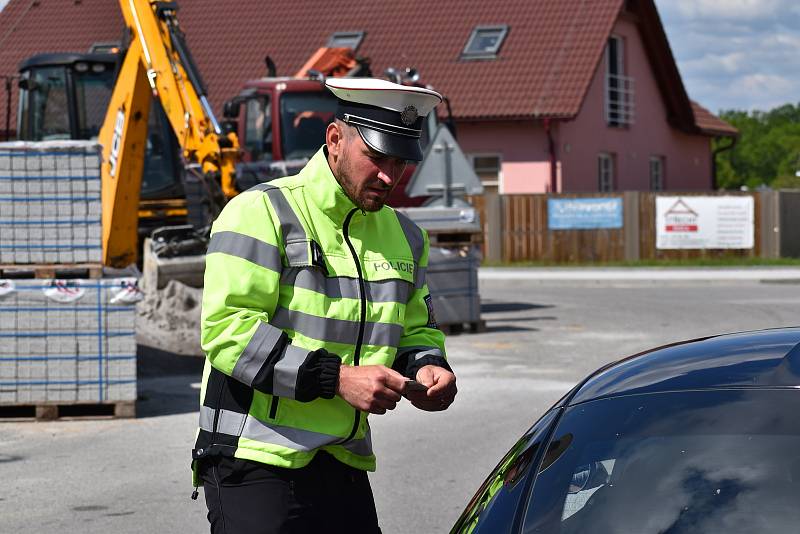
50 205
67 341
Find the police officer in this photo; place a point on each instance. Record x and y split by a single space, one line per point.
315 314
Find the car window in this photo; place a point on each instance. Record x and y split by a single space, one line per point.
702 461
493 507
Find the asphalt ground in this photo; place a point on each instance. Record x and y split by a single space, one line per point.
131 476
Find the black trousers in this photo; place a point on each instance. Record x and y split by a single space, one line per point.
246 497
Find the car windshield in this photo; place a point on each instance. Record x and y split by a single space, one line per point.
703 461
304 118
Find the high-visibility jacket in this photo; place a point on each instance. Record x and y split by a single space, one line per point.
299 281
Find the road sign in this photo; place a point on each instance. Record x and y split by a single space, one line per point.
444 171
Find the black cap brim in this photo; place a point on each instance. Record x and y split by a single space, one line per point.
396 146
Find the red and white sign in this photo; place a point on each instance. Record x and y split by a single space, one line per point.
705 222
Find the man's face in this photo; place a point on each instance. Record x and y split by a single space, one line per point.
366 176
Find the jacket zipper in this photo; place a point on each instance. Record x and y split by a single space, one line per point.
363 320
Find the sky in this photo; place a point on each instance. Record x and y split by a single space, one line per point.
736 54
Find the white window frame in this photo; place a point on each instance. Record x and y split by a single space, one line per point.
657 165
492 183
606 163
502 32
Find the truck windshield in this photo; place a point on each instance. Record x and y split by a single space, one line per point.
304 118
92 95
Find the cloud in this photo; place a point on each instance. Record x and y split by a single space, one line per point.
736 54
3 4
732 9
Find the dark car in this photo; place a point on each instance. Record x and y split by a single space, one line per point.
698 436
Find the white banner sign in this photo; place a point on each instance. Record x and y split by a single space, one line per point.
705 222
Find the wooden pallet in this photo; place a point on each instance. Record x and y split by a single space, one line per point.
51 270
473 327
53 411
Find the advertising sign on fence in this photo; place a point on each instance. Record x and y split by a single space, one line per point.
705 222
584 213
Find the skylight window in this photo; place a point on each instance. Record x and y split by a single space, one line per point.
350 40
484 42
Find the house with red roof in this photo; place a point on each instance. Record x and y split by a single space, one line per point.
546 95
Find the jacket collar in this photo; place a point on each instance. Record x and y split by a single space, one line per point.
324 190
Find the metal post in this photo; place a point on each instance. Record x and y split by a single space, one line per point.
448 176
8 108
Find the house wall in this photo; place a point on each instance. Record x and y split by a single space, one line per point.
688 157
522 147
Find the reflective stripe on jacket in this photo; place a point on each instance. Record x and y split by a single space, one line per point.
294 266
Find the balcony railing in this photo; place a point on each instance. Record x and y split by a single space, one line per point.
619 100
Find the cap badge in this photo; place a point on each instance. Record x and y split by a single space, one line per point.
409 115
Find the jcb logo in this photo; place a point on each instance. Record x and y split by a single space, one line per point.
116 141
402 266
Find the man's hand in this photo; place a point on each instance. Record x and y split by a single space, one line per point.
370 388
441 389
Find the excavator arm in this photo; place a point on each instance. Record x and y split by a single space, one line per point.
157 63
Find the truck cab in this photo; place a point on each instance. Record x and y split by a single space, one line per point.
282 123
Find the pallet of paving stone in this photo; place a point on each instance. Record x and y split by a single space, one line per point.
50 202
67 341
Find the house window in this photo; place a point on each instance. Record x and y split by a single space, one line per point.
350 40
619 90
487 167
484 42
605 172
656 173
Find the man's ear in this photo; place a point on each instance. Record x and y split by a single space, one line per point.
333 139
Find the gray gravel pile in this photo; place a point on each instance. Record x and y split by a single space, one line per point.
169 319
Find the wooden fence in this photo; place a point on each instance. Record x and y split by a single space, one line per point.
515 229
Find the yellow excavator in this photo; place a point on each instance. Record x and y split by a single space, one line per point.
158 63
166 160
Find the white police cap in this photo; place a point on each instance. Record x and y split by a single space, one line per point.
388 116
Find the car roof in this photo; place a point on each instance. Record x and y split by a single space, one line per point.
758 359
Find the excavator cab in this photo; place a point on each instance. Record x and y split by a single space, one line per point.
66 96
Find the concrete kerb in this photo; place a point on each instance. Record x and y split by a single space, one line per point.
642 274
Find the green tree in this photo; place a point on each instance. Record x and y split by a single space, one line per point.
767 152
